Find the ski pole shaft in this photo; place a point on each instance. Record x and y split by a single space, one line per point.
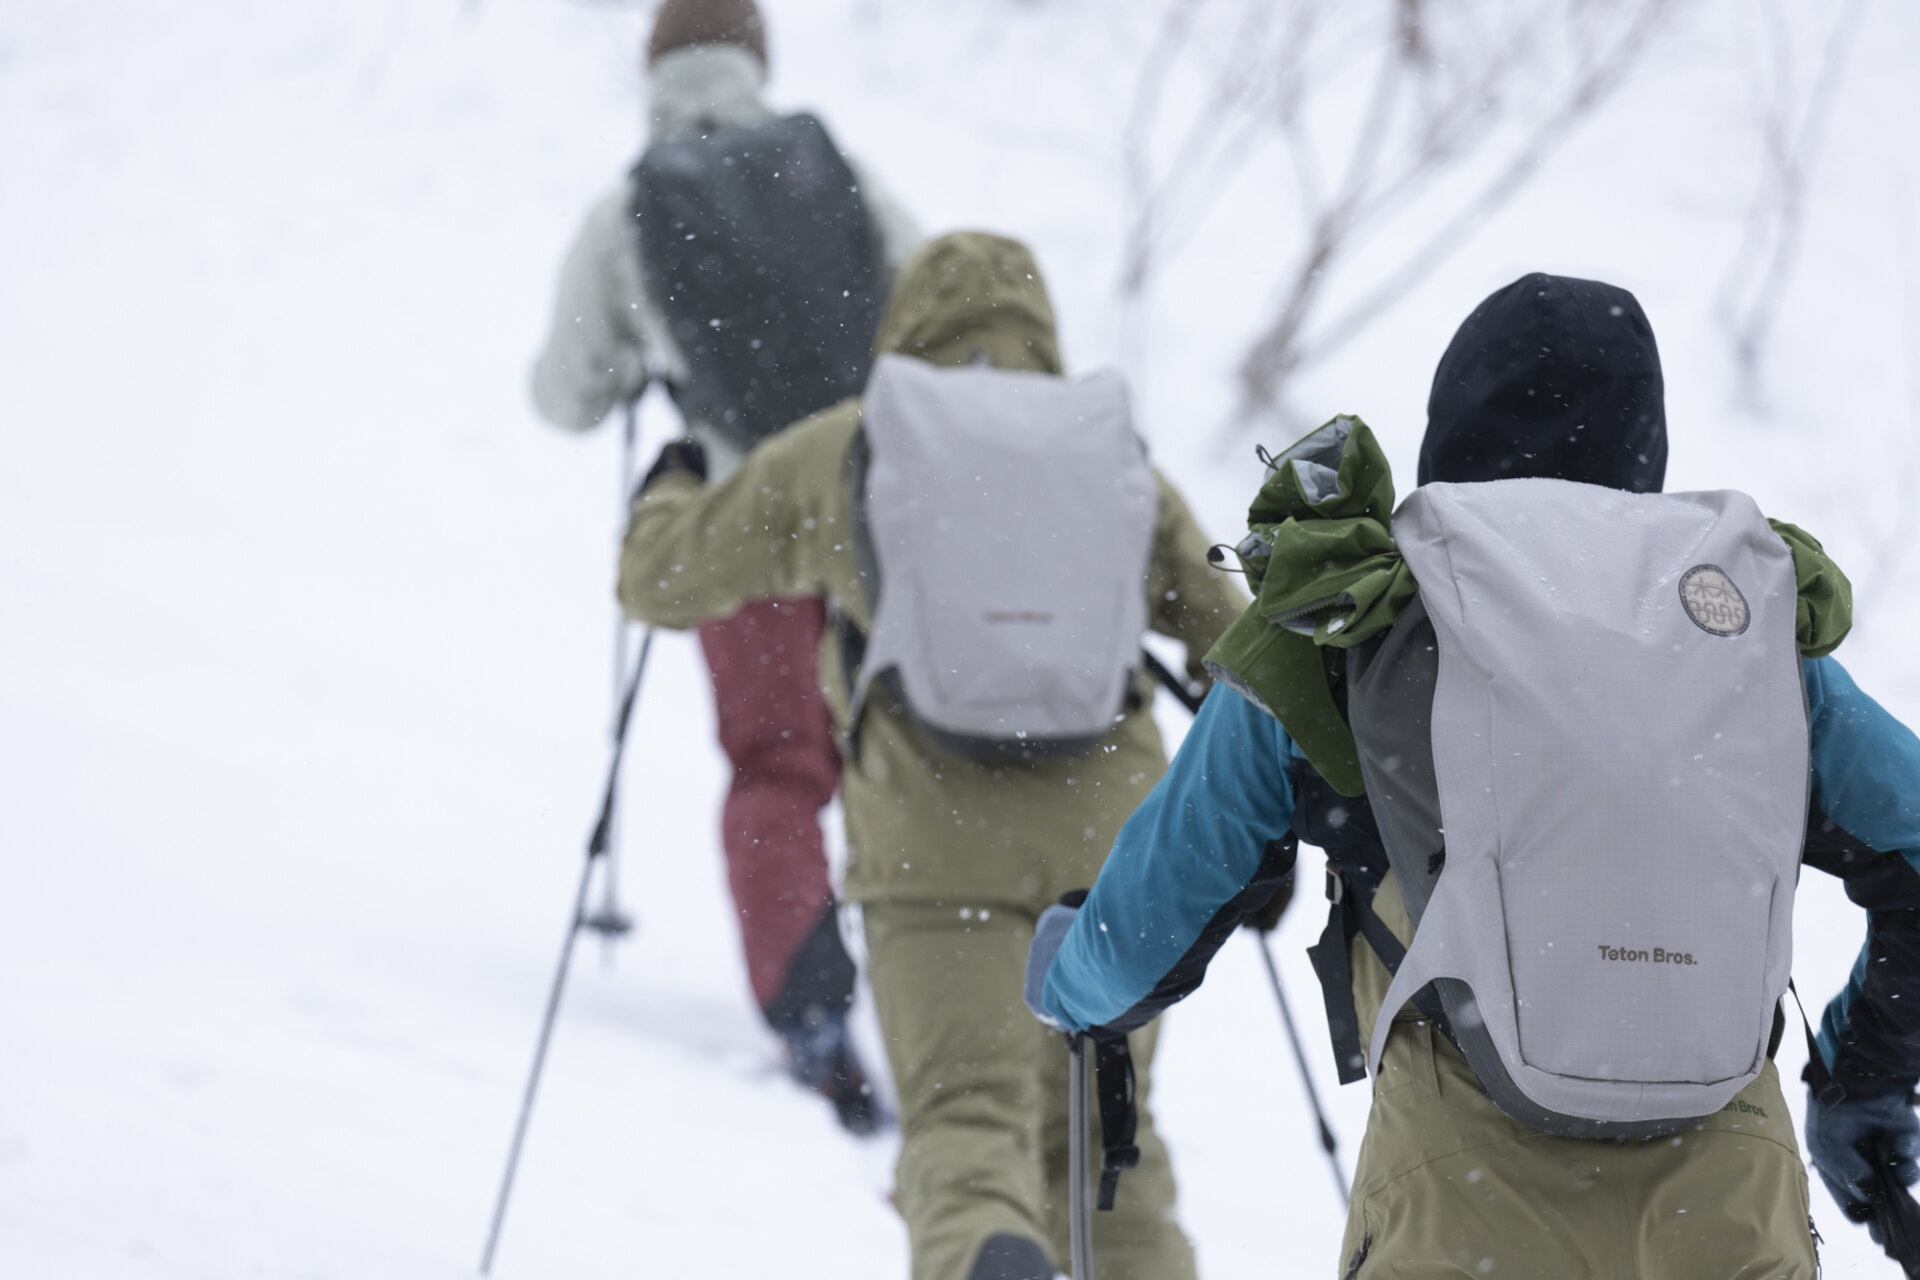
1327 1142
610 922
602 838
539 1062
629 433
1079 1140
1894 1209
1174 684
1191 700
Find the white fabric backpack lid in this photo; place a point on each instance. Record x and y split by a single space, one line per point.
1010 519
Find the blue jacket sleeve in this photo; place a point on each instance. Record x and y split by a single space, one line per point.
1196 853
1864 826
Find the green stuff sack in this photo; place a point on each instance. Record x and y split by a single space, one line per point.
1326 576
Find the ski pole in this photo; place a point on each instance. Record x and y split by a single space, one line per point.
610 922
1174 684
629 433
1327 1142
1191 701
539 1060
1079 1201
1894 1209
597 845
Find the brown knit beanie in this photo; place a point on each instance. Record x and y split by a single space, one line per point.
683 22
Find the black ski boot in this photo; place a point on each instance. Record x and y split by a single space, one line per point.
1011 1257
820 1055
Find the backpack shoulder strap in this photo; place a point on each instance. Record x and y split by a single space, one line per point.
1350 913
1353 831
853 641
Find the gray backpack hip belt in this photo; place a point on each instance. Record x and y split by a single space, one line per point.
1615 783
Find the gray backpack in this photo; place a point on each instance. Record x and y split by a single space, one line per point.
757 244
1586 744
1004 526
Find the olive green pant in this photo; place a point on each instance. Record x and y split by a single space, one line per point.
1450 1187
983 1101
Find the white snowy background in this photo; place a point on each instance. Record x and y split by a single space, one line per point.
304 615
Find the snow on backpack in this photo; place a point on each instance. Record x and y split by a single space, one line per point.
1586 745
758 247
1004 524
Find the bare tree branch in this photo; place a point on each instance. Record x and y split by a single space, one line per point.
1893 547
1762 267
1290 341
1283 349
1374 106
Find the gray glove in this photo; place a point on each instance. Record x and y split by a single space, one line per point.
1048 934
1839 1136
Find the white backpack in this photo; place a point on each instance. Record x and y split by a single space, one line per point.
1619 754
1005 521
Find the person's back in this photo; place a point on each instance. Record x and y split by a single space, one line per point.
950 857
761 254
1549 378
610 334
627 313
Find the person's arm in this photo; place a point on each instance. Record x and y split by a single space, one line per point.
1865 828
596 352
1192 601
1205 848
694 551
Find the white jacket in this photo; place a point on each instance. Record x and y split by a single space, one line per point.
609 336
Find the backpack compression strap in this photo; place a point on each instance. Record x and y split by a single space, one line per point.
1351 913
1818 1078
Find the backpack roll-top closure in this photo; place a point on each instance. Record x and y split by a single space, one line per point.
1620 751
1010 519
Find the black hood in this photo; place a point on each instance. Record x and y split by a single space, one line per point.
1550 377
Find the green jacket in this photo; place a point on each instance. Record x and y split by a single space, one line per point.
922 824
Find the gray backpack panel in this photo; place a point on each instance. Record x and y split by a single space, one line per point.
757 244
1390 684
1619 756
1010 520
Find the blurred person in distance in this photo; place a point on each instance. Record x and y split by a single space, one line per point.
667 281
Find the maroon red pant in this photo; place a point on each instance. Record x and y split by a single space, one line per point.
775 731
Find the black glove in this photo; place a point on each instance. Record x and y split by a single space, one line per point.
1267 918
676 455
1840 1136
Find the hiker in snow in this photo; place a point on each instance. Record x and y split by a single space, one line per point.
1583 735
742 264
993 544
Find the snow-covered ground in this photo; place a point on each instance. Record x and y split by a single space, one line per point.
303 616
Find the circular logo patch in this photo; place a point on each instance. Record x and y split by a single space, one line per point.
1713 602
